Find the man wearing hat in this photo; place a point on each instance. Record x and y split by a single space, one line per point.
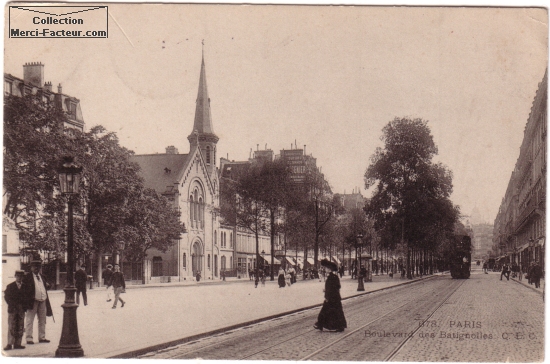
16 314
36 302
107 275
80 278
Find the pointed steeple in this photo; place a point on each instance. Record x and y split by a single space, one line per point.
202 135
203 120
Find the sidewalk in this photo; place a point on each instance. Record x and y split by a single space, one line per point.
170 313
525 282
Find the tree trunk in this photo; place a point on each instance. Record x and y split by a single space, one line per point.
272 224
99 268
409 268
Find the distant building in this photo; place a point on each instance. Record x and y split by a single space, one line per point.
520 225
352 200
482 241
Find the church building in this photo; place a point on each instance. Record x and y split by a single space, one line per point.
191 182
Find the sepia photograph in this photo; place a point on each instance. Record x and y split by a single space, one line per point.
284 182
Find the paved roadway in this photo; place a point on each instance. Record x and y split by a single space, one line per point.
440 319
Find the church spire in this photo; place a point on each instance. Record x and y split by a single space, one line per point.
203 119
202 135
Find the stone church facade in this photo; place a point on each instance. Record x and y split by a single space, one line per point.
191 182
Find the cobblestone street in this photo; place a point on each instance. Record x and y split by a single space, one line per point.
479 319
504 321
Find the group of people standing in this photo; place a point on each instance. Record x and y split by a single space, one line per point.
27 298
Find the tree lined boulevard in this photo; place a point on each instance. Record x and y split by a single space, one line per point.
495 304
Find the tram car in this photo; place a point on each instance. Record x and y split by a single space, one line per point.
461 258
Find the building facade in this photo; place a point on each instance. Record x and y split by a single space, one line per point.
519 229
191 182
33 83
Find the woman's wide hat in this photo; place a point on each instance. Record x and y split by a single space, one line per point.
328 264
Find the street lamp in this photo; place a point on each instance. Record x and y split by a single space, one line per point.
69 344
263 259
360 285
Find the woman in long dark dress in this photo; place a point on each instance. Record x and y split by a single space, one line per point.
331 316
281 278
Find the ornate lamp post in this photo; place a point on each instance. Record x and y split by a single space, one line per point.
69 344
360 284
263 260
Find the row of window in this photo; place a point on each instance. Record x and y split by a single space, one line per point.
223 239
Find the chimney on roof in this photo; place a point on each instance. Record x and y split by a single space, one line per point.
171 150
33 73
305 150
48 86
59 89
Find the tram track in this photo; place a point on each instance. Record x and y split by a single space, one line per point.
285 338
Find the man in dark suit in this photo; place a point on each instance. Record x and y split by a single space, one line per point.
36 302
80 278
119 285
16 314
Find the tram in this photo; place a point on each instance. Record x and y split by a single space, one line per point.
461 258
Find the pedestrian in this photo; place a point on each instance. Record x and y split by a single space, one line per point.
292 273
262 278
505 271
119 285
287 279
198 276
520 272
81 278
485 267
530 273
107 275
16 313
281 278
36 302
537 274
331 316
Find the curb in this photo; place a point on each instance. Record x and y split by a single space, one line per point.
157 347
528 286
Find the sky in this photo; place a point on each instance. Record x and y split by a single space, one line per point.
328 77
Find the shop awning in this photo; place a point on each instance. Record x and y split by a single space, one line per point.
336 260
310 261
267 258
290 260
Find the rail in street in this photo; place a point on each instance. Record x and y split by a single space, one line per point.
434 320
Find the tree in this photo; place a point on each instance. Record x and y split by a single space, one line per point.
318 206
151 221
410 201
34 143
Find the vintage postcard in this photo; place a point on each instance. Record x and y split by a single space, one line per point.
274 182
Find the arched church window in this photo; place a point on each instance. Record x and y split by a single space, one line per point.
231 240
207 154
191 208
201 210
184 260
216 238
208 261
